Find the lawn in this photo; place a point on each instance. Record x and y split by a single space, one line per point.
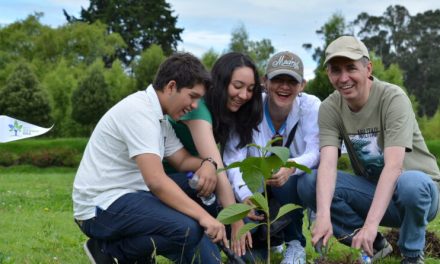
36 224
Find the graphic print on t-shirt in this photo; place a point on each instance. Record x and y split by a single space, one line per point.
368 152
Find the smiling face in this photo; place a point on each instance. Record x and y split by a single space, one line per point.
351 79
183 101
282 90
241 88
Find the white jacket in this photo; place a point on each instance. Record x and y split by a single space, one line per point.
304 148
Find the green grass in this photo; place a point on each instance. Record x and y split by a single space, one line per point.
26 145
36 217
37 226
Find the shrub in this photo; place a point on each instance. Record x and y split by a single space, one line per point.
24 99
51 157
344 163
8 159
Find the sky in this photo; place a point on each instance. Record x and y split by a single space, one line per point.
288 24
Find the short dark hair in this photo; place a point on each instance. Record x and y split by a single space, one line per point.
185 69
248 116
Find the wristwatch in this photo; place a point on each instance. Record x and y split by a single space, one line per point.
210 160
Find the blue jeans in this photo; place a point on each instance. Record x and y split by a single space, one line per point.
138 225
181 180
288 193
414 203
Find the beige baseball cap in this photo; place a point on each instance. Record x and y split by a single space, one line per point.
285 62
346 46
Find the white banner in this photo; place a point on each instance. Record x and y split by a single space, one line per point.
13 129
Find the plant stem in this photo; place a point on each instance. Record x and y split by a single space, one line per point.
267 223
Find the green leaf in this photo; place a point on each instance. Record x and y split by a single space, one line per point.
270 142
236 164
282 152
254 145
252 173
293 164
272 163
260 201
233 213
247 227
286 209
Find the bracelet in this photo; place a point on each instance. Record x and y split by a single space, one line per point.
210 160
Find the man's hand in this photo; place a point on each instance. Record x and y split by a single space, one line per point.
207 178
214 229
364 239
239 243
322 230
280 177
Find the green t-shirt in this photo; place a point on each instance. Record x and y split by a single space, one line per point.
183 132
387 119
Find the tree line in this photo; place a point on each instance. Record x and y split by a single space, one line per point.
72 74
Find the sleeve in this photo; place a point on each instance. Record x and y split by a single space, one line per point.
310 132
172 142
232 154
328 121
399 123
201 112
139 129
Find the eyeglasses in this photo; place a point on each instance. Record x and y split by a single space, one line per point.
289 81
279 140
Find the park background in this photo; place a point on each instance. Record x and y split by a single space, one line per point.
69 75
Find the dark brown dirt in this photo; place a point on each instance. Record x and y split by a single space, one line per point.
347 260
432 248
432 244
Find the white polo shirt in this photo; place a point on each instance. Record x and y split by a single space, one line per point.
135 125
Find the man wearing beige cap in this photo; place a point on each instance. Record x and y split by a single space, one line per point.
291 115
397 184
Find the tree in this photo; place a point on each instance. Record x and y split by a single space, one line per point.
385 35
19 37
23 98
209 58
119 82
334 28
420 63
145 69
412 42
259 51
60 83
141 23
91 99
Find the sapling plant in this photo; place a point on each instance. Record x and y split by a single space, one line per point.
255 172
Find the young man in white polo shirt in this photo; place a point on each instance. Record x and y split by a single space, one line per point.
122 198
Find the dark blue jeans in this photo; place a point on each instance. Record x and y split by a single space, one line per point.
288 194
138 225
414 203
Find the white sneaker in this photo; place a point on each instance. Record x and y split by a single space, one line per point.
294 254
277 249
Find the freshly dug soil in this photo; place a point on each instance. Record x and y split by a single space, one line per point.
432 248
432 244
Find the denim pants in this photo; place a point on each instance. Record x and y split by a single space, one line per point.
293 231
138 225
414 203
182 181
288 194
